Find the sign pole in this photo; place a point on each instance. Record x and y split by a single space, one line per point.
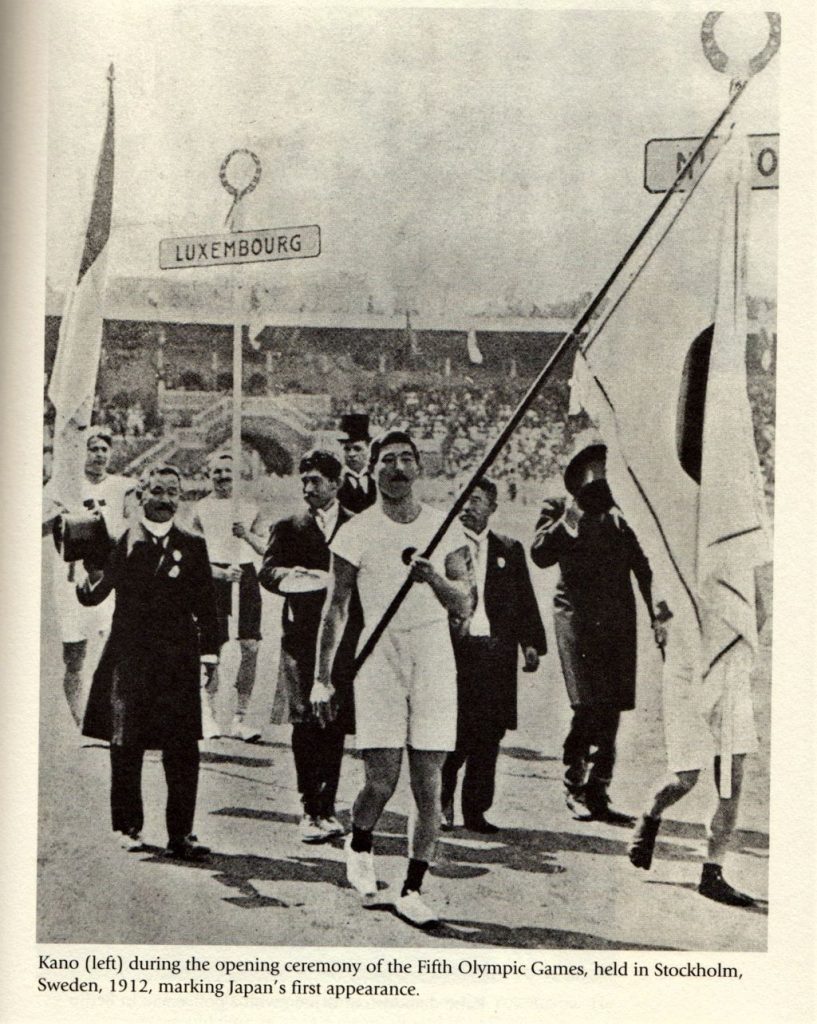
238 373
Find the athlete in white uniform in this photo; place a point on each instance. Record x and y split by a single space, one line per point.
234 543
692 733
406 691
106 494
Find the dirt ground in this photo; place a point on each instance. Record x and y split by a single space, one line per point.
546 881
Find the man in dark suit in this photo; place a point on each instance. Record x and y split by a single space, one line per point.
145 691
506 617
296 566
357 490
595 622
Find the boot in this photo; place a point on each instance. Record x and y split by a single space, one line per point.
598 804
715 887
642 844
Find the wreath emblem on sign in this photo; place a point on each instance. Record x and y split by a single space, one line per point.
720 61
239 193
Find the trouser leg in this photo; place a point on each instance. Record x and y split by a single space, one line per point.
305 743
451 767
479 781
330 760
127 814
604 730
73 656
577 748
181 765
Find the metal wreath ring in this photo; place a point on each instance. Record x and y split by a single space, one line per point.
222 173
720 61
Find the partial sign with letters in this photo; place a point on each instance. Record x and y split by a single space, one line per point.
664 158
240 247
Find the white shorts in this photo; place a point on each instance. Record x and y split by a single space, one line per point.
691 743
406 691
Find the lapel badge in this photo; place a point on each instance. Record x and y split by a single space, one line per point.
500 562
173 572
176 555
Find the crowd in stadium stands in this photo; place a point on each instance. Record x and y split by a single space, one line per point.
457 421
461 421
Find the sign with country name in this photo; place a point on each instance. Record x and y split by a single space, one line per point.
295 243
664 158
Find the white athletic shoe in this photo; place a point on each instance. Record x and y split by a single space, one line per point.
240 731
360 870
311 830
131 842
412 909
332 827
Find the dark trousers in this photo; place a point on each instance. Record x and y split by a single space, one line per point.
479 755
318 752
593 729
181 765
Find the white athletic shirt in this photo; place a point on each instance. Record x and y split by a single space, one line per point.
374 544
216 518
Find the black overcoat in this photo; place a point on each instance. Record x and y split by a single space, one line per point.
594 606
487 674
145 691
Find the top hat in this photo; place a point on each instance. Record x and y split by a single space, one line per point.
355 427
82 537
587 449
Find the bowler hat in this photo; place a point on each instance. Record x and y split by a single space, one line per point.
585 453
355 427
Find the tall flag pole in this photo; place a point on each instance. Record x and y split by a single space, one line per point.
73 378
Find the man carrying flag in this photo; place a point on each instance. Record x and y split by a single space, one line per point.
663 376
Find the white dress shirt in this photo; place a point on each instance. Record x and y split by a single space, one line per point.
478 542
327 519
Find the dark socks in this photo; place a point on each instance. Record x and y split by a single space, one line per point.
361 839
415 875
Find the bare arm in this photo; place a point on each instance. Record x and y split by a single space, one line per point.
335 616
457 590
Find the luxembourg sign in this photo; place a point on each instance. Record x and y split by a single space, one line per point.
240 247
664 158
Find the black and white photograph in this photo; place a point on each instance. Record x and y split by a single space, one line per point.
409 408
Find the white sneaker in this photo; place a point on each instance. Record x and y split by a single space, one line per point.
412 909
131 842
332 827
360 870
240 731
311 830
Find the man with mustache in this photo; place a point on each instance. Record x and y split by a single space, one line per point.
406 691
505 620
100 493
164 635
594 619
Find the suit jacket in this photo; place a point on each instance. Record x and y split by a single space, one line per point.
487 672
594 606
145 690
299 540
352 497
